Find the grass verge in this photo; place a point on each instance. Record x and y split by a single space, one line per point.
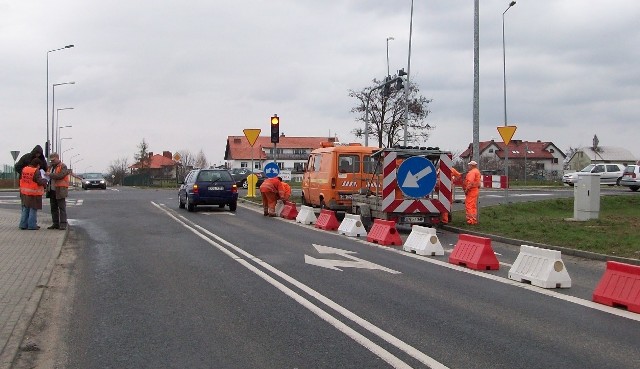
614 233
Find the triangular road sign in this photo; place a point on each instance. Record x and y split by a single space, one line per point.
506 132
252 135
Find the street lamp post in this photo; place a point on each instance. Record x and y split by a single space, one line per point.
406 86
50 51
388 39
57 124
62 152
504 83
58 133
53 105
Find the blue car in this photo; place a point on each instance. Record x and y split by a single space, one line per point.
208 187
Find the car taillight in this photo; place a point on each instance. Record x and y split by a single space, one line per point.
234 188
195 188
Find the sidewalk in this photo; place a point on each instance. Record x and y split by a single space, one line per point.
26 262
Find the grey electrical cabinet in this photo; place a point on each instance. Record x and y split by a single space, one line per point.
586 193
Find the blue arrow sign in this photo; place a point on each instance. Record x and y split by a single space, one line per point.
416 176
271 170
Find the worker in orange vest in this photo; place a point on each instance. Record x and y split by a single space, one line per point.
471 187
31 191
271 191
58 191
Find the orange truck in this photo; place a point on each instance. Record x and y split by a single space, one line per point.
335 172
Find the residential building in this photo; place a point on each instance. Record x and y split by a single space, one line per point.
290 153
158 166
527 159
599 154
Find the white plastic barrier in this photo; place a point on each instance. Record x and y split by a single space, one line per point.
541 267
306 215
279 207
423 241
352 226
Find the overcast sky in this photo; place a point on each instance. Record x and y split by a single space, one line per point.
184 75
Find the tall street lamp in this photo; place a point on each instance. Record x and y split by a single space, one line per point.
61 153
58 133
504 81
50 51
57 124
53 105
388 39
406 86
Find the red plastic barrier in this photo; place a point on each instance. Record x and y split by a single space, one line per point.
289 211
384 232
619 286
475 253
327 220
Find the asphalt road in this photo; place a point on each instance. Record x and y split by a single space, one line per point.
158 287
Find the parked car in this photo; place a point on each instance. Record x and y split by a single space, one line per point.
610 174
208 187
93 180
240 176
631 177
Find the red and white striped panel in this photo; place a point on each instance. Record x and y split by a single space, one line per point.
391 204
495 182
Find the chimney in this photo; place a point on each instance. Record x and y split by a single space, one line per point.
167 154
150 154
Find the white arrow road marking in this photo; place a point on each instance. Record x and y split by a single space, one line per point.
354 262
412 179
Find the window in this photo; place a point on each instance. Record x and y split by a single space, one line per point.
299 151
490 151
554 160
298 167
598 169
515 151
539 166
348 164
612 168
371 165
244 164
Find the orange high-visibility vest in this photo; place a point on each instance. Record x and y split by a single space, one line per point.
64 182
27 185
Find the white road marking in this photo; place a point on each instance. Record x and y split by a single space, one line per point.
371 346
334 264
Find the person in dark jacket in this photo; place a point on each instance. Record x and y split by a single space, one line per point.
26 159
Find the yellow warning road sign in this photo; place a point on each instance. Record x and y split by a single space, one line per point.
251 134
506 132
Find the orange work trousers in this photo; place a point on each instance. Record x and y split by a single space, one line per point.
269 200
471 205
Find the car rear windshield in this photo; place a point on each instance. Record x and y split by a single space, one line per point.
630 169
214 176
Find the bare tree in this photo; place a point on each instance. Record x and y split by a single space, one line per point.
201 160
386 115
118 170
187 159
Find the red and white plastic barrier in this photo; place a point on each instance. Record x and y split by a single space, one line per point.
495 182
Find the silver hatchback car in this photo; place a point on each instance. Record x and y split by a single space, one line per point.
631 177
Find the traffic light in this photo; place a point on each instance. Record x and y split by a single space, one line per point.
386 90
275 129
400 80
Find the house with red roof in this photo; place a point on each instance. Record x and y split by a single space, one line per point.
531 158
291 153
158 166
